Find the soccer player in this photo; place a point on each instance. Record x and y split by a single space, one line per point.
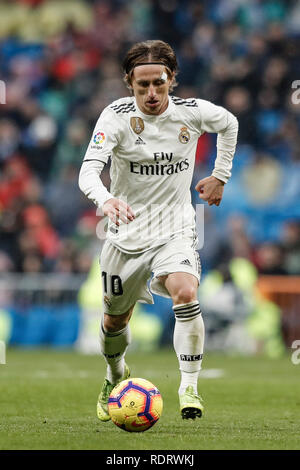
151 138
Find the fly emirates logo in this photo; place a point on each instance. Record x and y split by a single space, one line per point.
162 165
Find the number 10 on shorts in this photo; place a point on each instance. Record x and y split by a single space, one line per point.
115 283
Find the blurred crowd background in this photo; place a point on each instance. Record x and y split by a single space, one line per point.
61 64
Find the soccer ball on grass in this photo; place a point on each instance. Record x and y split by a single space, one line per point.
135 405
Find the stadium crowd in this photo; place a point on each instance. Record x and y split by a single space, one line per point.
60 62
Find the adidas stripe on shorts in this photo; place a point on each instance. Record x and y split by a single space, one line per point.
125 276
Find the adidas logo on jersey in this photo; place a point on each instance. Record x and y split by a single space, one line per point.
139 141
186 261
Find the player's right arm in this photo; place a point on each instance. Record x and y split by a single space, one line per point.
104 140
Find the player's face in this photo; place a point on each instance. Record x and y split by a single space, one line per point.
150 84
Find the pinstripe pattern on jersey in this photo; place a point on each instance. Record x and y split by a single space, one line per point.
190 102
123 108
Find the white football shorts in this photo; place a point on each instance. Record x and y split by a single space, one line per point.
125 276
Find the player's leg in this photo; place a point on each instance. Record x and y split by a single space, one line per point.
114 340
124 280
176 270
188 338
189 326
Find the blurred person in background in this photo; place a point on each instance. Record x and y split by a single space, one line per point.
290 242
270 259
226 309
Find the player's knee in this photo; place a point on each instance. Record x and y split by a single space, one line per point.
115 323
185 294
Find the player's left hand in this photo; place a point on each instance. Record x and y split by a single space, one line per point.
210 189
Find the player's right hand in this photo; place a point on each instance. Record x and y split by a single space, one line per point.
117 210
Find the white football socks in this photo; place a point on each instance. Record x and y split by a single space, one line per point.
189 343
113 347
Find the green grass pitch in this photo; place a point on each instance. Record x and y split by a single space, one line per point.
48 401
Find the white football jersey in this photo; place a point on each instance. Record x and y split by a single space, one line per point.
152 164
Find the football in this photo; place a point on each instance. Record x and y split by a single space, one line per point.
135 405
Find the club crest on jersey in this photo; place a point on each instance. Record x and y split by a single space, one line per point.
137 124
184 135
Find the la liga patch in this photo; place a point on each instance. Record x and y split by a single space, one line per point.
99 138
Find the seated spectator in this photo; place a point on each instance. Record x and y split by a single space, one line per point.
262 179
270 259
9 139
238 101
290 239
71 148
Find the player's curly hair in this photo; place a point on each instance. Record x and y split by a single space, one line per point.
150 51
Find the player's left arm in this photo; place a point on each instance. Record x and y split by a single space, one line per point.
217 119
